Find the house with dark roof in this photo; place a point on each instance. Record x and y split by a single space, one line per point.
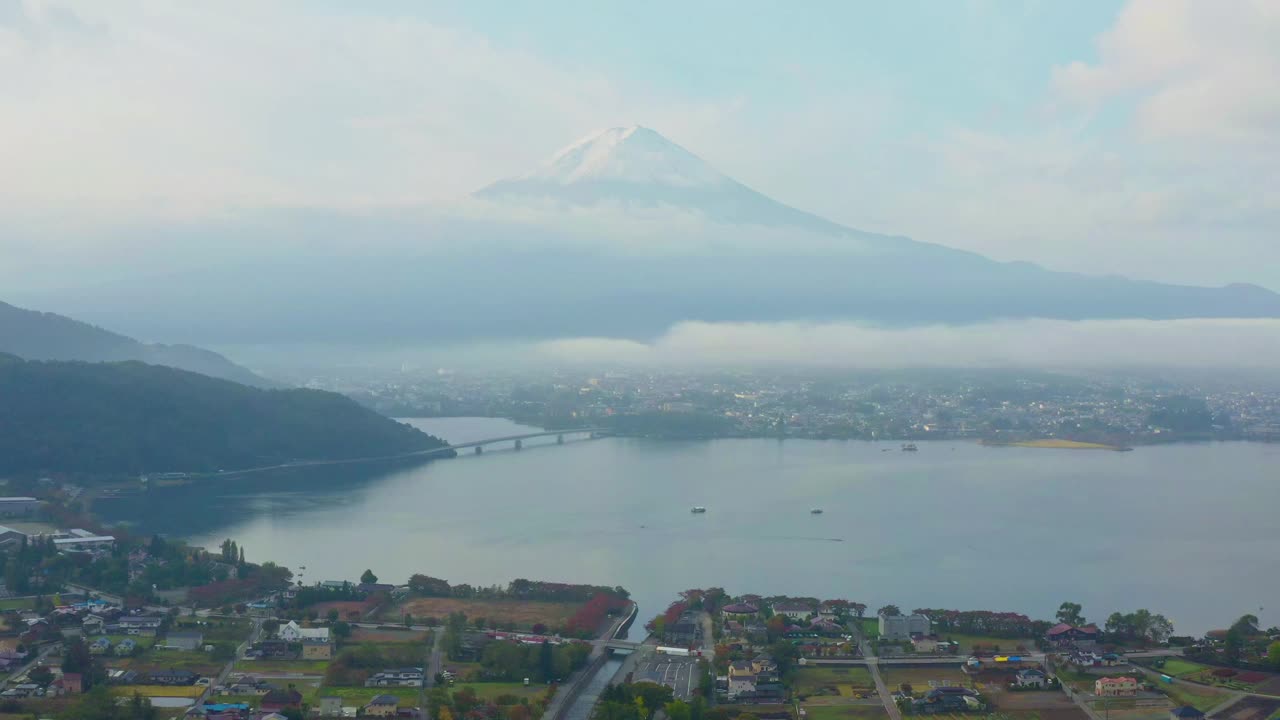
794 609
1031 677
740 610
173 677
383 706
1064 635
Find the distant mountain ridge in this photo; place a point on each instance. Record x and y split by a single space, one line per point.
35 335
130 417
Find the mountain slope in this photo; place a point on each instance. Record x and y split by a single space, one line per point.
46 336
129 417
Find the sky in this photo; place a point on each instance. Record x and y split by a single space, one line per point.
1139 138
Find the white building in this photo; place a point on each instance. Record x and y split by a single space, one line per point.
11 506
78 539
902 627
292 632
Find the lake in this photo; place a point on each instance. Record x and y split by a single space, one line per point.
1190 531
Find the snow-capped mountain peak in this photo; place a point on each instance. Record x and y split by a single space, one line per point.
632 154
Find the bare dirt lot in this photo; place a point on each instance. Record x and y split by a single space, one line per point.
523 614
347 609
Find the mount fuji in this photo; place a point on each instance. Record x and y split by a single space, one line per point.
637 168
623 234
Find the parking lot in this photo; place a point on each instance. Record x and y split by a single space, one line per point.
678 673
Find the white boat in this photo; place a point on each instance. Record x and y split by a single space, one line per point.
698 509
909 447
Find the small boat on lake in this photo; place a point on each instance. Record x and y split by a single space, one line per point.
697 510
816 511
909 447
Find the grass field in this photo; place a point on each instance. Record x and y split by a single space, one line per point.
267 667
362 696
522 614
17 604
870 628
844 712
157 659
1178 667
490 691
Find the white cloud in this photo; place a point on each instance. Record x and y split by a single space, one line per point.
1037 343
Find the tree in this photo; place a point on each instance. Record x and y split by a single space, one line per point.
1273 653
332 615
1234 643
41 675
368 578
1247 625
889 611
1070 613
341 630
270 626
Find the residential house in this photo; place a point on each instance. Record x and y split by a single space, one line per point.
739 610
741 668
741 684
92 625
924 643
100 646
184 640
292 632
902 627
383 706
173 677
1064 635
1115 687
330 707
10 659
794 610
1186 712
247 685
316 649
1031 678
71 683
765 669
397 677
277 700
147 625
126 647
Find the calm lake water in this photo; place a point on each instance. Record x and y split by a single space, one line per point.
1191 531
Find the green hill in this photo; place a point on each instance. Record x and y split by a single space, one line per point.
129 417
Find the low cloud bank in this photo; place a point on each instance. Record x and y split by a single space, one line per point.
1047 344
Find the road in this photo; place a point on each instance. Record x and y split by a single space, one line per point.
26 668
435 660
882 690
221 679
558 705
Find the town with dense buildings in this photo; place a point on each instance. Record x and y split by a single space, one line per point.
987 405
96 624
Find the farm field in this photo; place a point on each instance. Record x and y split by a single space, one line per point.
187 691
1198 696
1063 713
380 635
523 615
1006 645
920 676
1251 708
832 684
157 659
845 712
